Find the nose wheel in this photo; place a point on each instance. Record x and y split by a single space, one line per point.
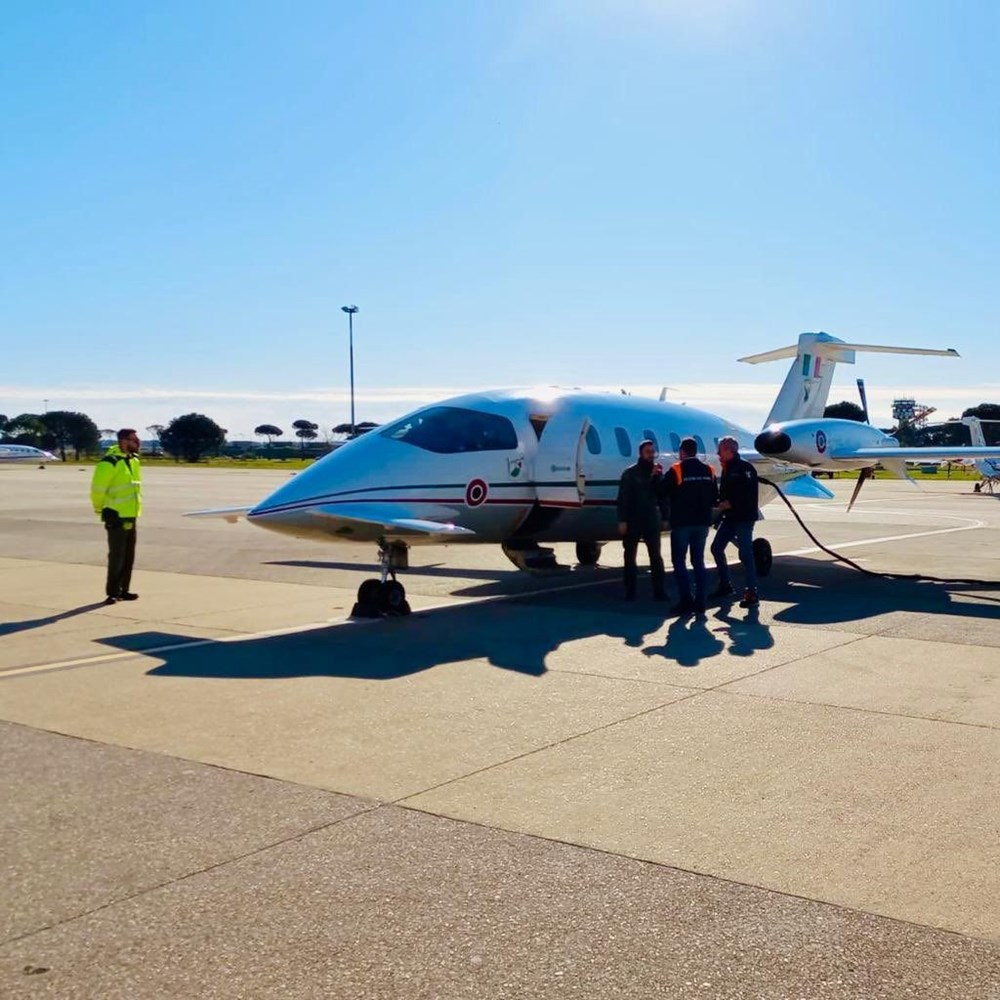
384 596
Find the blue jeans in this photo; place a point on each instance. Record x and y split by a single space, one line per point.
742 534
682 540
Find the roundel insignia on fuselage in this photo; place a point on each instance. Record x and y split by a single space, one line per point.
476 493
821 441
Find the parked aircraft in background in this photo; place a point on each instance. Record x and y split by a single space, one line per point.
520 468
988 468
13 454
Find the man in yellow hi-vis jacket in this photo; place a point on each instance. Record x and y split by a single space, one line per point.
116 493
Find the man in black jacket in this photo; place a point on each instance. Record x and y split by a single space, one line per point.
740 509
690 485
639 496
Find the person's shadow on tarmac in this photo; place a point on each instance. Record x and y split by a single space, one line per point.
689 641
746 635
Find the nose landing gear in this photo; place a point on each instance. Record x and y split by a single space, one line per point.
386 595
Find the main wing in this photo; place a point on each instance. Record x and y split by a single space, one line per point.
931 453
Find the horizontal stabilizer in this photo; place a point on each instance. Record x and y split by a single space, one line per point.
807 488
806 388
948 352
837 350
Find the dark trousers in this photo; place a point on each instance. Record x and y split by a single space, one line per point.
121 556
684 539
742 534
651 536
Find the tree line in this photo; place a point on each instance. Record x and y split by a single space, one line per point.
188 438
192 436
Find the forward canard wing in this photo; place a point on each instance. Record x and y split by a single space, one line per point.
350 519
345 519
230 514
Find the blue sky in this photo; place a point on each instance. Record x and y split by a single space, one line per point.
583 192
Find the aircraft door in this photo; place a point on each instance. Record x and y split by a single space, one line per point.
560 479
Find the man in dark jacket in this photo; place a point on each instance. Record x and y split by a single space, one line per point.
740 509
639 496
690 485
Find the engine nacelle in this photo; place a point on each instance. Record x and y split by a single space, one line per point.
816 443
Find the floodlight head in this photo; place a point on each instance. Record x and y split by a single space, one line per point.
349 309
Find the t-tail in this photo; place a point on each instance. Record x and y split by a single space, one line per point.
806 389
988 468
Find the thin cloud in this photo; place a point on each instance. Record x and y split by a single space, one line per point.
745 403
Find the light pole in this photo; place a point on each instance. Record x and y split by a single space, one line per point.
351 310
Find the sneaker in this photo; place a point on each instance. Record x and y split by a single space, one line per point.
750 598
110 600
128 596
724 590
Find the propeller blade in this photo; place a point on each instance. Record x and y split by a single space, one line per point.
864 399
866 473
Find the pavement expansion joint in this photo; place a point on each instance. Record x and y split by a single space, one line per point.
146 890
721 879
366 807
848 708
695 692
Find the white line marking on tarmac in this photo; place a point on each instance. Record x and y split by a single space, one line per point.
837 546
496 598
129 654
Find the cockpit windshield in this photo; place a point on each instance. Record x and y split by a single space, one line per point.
450 430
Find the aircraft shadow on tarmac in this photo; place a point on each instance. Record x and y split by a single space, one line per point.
519 634
499 581
432 569
827 593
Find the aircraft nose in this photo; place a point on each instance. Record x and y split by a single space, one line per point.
772 442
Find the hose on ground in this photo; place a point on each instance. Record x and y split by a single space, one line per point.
912 577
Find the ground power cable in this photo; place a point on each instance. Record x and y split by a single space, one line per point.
912 577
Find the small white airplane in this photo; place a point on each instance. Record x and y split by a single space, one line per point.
519 468
988 468
12 454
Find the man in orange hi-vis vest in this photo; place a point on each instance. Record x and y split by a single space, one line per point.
690 485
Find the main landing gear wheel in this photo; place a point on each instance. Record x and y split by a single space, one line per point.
369 604
393 598
377 598
588 553
762 556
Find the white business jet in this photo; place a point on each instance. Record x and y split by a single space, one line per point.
519 468
14 454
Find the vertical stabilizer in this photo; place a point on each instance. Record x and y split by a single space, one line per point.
975 430
807 384
806 389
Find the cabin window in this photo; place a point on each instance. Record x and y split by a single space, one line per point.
647 433
593 440
451 430
624 443
675 443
